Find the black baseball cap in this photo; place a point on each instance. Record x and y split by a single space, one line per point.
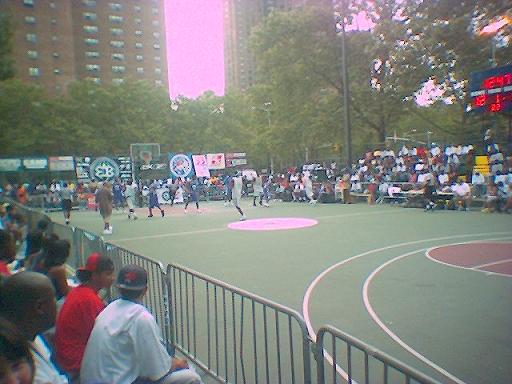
132 277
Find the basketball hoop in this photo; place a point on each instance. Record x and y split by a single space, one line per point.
146 156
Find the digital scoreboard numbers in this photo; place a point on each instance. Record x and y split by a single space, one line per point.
491 90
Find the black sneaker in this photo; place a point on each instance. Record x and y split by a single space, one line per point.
162 212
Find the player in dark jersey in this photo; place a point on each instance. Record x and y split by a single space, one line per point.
191 193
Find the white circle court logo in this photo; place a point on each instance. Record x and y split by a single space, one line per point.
103 169
180 165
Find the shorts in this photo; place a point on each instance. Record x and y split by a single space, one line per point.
106 216
236 199
66 205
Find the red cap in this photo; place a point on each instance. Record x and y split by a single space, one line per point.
92 262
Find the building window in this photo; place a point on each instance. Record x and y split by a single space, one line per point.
56 71
139 58
95 80
92 67
137 21
156 23
28 3
140 70
159 82
54 38
115 18
156 35
117 43
90 16
91 41
158 71
52 5
157 58
156 46
53 21
115 6
118 56
92 54
33 71
31 37
32 55
90 29
55 54
154 11
89 3
117 81
137 8
30 20
138 45
116 31
118 68
138 32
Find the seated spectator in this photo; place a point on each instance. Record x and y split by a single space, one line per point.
478 183
77 315
53 265
503 196
126 345
7 252
28 301
461 194
16 362
491 198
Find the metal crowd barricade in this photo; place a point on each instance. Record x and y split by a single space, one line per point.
155 299
234 335
358 362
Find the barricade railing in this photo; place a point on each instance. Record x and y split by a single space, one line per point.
234 335
358 362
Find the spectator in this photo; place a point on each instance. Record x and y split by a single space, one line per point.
461 194
76 317
53 265
104 200
16 362
7 252
28 301
490 198
125 344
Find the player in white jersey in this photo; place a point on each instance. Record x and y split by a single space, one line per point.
236 187
129 195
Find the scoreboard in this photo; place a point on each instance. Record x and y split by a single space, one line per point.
491 90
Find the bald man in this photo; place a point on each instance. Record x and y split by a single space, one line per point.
28 300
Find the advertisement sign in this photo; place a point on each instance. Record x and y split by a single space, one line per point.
61 163
10 165
103 168
236 159
216 160
35 163
201 166
180 165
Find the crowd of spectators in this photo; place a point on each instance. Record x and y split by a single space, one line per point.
46 319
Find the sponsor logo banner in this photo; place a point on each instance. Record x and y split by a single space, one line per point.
216 160
180 165
201 165
103 168
10 165
35 163
153 166
61 163
235 159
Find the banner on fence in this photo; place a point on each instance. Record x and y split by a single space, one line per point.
33 163
181 165
103 168
201 166
61 163
216 160
235 159
10 165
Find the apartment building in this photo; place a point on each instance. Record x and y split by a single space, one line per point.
56 42
240 16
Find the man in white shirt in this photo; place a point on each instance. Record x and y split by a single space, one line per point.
461 194
125 345
28 301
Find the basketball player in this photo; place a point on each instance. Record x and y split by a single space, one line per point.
236 194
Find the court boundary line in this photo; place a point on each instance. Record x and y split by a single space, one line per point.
474 269
325 272
494 263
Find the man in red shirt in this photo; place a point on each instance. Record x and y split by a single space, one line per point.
76 317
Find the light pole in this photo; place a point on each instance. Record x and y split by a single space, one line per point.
340 20
267 107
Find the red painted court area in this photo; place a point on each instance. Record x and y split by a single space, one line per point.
485 257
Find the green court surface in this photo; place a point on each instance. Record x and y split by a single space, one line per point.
451 323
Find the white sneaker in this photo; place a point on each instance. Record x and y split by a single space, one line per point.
107 231
266 205
185 211
243 218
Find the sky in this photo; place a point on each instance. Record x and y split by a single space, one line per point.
195 47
